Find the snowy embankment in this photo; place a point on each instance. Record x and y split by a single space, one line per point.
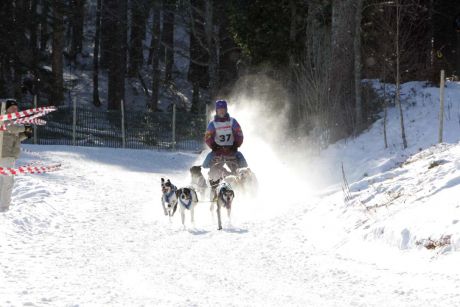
94 234
404 198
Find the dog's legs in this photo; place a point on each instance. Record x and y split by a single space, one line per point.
192 213
164 207
229 211
213 198
182 215
174 208
219 222
211 209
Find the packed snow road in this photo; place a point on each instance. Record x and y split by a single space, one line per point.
94 234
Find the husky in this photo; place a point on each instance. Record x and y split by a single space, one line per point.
248 181
187 201
223 197
169 197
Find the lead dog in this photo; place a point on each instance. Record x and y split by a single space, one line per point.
223 197
169 197
187 200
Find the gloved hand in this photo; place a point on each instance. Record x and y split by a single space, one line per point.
28 131
215 147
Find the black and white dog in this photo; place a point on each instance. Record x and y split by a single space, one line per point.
169 197
223 197
187 200
198 182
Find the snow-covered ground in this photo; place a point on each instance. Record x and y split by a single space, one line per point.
94 234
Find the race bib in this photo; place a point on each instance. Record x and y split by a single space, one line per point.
224 133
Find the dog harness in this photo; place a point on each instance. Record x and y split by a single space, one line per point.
186 205
168 195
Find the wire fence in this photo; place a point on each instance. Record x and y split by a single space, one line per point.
142 129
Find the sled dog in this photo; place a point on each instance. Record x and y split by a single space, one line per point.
223 197
169 197
187 201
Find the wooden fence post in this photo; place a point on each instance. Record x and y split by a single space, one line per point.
2 111
441 108
123 135
174 126
34 126
74 122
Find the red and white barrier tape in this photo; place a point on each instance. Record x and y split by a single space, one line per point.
36 115
25 113
29 169
26 120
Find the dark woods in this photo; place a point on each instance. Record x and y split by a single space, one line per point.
319 51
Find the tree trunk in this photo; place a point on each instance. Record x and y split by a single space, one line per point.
196 106
33 26
291 71
58 47
358 66
136 48
106 33
342 69
398 75
156 39
198 73
77 23
167 36
44 25
229 53
96 99
212 47
116 54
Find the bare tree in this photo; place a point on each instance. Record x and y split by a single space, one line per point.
358 64
77 15
57 57
211 30
96 99
156 39
33 25
167 37
312 84
139 14
342 68
398 75
199 57
44 36
116 61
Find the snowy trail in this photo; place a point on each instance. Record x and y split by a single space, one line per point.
94 235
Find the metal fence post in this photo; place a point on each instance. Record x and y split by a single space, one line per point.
74 122
441 110
123 136
35 127
2 111
174 126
